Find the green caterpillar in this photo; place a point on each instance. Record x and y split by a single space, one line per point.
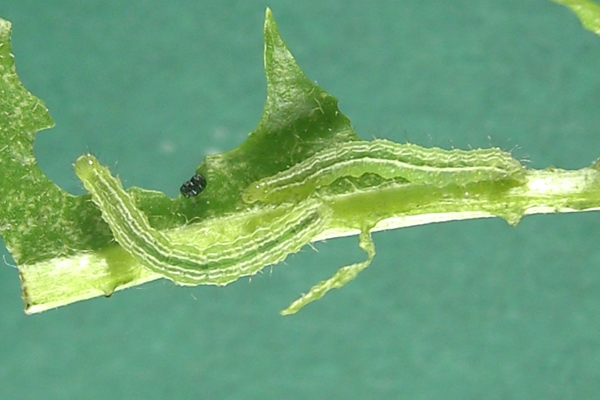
221 251
235 254
416 164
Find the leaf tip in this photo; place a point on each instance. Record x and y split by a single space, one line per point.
587 11
269 21
270 28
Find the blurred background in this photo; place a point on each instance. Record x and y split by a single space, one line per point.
465 310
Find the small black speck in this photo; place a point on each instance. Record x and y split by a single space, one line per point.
194 186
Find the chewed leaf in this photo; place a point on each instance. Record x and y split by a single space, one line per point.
34 209
42 225
301 176
299 119
338 280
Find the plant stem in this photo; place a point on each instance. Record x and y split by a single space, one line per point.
65 280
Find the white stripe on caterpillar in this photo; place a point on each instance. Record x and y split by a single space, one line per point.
244 249
415 164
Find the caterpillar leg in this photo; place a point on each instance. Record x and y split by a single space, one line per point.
338 280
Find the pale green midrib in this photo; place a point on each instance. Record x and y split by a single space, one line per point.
546 191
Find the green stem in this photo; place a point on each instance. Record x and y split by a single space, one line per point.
61 281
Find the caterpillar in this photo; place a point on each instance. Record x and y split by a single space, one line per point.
224 250
243 249
415 164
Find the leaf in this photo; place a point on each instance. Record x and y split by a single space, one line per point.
587 11
37 220
43 226
67 253
298 120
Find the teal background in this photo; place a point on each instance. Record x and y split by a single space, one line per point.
464 310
